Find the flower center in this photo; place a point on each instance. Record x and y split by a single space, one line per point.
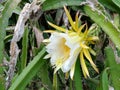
65 50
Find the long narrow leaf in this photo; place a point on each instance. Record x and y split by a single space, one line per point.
77 76
44 76
104 80
55 82
29 72
6 13
24 49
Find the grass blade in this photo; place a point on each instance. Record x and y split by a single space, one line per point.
6 13
77 76
55 82
24 49
44 76
104 80
29 72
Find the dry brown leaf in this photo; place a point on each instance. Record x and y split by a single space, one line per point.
38 35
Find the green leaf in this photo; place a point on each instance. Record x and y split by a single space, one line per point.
116 20
62 76
110 58
1 7
114 68
98 17
92 83
44 76
42 88
8 38
104 80
29 72
24 49
77 76
5 15
110 5
17 10
55 82
117 2
54 4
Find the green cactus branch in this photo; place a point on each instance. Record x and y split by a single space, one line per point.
108 27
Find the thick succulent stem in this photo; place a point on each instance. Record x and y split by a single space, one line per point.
108 27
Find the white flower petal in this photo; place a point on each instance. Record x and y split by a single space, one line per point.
47 56
56 47
65 48
71 60
74 51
